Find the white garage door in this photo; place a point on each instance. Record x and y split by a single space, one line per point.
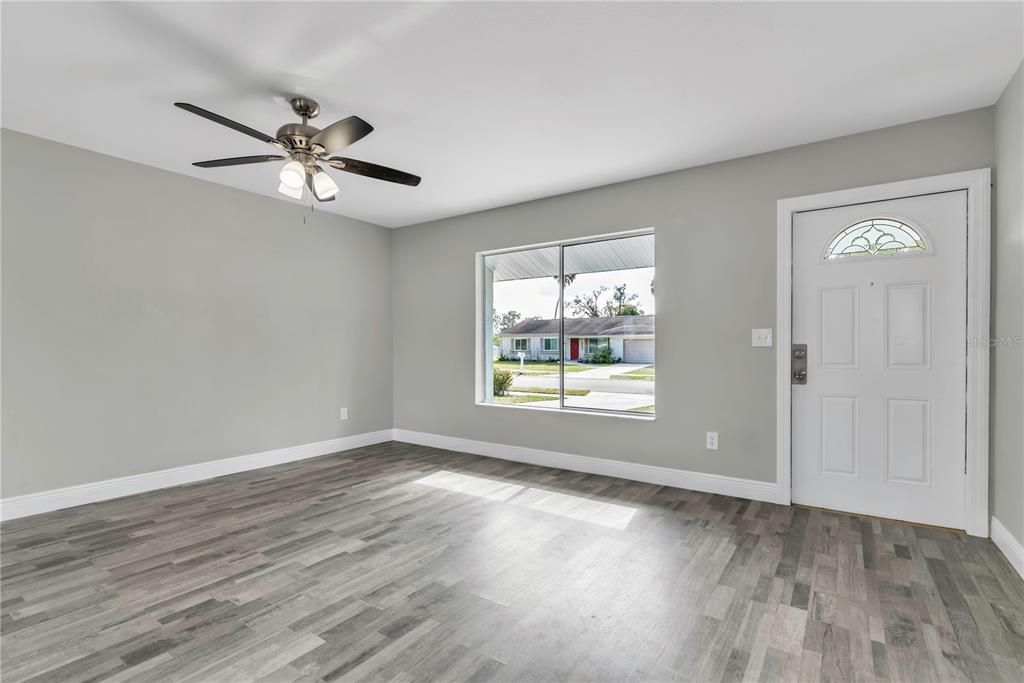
638 351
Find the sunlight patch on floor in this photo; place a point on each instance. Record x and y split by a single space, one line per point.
551 502
474 486
576 507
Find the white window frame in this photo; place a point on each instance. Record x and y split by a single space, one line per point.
485 379
526 343
544 344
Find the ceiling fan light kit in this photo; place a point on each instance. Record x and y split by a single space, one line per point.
305 148
293 174
293 192
323 185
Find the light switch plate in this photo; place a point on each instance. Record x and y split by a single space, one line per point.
343 413
761 336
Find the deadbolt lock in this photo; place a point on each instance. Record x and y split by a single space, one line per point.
799 364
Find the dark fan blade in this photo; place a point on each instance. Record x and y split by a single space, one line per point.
238 161
217 118
365 168
309 184
341 134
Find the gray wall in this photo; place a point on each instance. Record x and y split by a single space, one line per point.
1007 405
153 320
716 280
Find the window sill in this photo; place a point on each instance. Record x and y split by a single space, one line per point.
646 417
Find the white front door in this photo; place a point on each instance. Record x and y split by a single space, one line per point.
879 298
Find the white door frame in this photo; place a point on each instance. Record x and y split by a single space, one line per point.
978 186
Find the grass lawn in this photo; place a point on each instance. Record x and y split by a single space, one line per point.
539 367
645 373
642 409
543 390
520 399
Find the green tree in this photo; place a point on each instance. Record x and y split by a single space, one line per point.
622 303
588 305
503 321
591 306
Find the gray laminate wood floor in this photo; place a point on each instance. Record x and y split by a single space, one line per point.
404 563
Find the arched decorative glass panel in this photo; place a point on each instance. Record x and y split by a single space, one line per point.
875 236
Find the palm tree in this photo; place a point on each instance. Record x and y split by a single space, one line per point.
566 281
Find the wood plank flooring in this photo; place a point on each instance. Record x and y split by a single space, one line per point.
349 567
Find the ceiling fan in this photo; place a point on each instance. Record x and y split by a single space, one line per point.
306 147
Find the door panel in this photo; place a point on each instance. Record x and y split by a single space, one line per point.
839 434
907 448
839 315
879 427
908 334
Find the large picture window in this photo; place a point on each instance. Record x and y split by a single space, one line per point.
570 326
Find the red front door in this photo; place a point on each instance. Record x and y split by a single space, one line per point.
574 348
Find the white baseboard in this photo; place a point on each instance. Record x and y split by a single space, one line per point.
666 476
56 499
1010 546
71 496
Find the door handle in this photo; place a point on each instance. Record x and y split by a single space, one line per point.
799 364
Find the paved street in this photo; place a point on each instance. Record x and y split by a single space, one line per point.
599 400
606 371
574 381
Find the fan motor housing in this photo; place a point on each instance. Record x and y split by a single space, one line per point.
296 135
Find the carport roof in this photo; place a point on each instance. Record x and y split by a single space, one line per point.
625 253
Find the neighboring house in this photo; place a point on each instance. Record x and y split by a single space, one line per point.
631 338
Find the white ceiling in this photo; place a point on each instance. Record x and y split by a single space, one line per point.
492 103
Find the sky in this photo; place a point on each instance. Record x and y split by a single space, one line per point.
539 296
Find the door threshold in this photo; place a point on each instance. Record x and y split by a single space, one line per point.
882 519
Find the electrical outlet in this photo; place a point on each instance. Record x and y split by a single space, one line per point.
343 413
712 441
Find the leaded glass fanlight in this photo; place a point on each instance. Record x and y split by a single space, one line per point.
875 236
